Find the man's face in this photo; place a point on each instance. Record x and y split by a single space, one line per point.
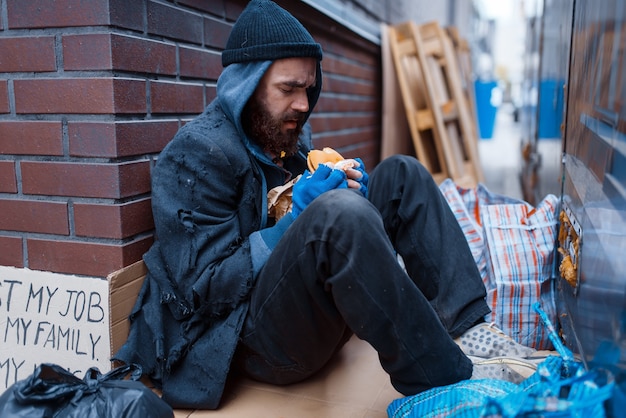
275 114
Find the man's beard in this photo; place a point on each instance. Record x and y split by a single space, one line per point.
259 124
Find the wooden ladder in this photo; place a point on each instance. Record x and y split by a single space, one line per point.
464 60
441 125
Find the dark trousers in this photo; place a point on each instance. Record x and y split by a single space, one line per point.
335 272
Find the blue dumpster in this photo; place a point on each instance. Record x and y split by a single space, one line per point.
485 108
550 108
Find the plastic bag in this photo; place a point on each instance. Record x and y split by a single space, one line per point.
561 387
513 244
279 199
52 391
547 393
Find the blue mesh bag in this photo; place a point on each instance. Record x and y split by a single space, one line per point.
561 387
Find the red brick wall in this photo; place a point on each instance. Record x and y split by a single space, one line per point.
90 92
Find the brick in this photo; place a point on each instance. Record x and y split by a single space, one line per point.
84 258
114 181
56 13
357 87
349 139
143 56
127 14
323 123
216 33
330 104
8 180
34 216
113 221
144 137
210 93
119 139
176 97
349 68
4 97
92 139
134 178
213 7
31 138
173 23
118 52
366 61
87 52
129 96
80 95
341 43
11 252
200 63
234 8
34 54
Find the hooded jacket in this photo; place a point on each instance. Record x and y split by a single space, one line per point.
209 201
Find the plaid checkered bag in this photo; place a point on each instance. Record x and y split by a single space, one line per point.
513 245
466 203
520 243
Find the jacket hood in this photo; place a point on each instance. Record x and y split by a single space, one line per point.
236 85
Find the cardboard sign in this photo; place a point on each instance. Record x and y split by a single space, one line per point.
48 317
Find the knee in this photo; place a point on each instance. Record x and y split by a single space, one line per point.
404 163
401 171
345 206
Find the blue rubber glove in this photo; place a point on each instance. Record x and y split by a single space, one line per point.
311 186
364 179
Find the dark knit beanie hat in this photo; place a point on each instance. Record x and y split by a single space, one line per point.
265 31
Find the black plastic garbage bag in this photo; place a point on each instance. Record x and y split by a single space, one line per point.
51 391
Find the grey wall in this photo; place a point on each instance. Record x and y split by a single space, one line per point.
365 16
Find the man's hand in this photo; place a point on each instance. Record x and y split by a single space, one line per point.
311 186
357 176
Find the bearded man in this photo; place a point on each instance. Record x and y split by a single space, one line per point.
229 287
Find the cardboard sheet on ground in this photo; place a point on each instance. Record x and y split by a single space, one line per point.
52 318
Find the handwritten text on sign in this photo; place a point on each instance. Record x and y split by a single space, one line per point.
51 318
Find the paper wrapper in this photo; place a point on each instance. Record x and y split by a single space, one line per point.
279 199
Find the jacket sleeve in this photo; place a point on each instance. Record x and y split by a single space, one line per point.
262 242
202 197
